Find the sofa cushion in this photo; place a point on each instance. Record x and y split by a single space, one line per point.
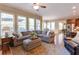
44 32
23 37
26 33
73 44
38 32
20 35
48 33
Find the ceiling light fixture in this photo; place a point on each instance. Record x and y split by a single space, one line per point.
36 7
74 10
74 7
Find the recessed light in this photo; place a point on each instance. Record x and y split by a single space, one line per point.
74 11
74 7
74 14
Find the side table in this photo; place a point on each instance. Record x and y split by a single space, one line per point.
6 44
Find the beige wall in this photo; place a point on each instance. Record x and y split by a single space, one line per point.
17 12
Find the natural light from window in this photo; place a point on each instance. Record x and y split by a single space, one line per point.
6 23
61 26
21 23
31 24
37 24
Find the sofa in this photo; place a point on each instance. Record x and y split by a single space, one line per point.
71 46
19 37
18 40
47 36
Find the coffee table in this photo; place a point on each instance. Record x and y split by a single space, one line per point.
29 44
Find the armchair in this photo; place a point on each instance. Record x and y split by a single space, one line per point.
49 38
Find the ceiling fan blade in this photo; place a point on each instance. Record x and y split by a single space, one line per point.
43 6
35 3
40 5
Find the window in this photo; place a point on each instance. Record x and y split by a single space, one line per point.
37 24
31 24
6 23
44 25
60 26
52 25
48 25
64 26
21 23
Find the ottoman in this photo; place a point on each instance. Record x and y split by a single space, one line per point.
29 44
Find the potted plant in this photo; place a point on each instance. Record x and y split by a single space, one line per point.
33 35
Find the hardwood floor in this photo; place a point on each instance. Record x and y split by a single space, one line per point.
44 49
0 52
36 51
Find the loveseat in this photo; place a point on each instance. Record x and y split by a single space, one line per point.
71 46
47 36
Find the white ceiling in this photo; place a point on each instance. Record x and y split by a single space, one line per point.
53 10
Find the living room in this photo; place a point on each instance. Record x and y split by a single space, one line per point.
45 30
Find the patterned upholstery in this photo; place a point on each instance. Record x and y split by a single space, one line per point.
29 44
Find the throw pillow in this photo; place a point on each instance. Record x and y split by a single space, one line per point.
15 34
20 35
48 33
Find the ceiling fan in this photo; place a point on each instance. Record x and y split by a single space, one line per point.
36 6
